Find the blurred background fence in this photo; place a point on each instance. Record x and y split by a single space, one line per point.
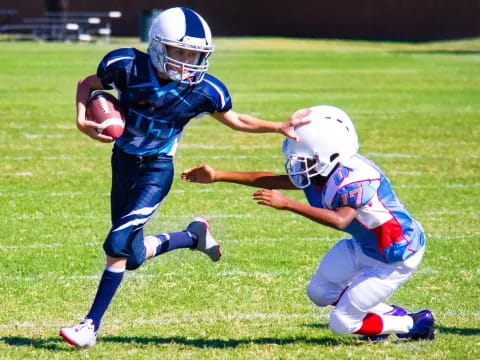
401 20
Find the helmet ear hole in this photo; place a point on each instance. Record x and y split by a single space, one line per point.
334 156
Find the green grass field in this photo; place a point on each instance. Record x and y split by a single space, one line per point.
417 112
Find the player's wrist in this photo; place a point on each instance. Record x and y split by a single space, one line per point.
279 128
290 205
216 175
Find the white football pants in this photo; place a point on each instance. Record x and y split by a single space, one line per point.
368 282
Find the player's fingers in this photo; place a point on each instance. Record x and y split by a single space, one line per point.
191 171
186 176
259 197
92 125
103 138
194 173
186 172
302 121
256 194
265 203
263 191
291 134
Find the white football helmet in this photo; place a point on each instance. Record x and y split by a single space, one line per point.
328 139
182 28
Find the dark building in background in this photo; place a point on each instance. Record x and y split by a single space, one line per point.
56 5
401 20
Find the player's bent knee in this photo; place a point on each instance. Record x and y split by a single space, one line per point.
340 324
117 245
133 264
110 249
136 258
317 295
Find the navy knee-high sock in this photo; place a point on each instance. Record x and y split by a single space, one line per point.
175 240
109 284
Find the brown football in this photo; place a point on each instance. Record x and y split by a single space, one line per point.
104 108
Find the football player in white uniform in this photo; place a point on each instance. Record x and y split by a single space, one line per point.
348 192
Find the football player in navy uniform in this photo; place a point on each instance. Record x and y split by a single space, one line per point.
161 92
348 192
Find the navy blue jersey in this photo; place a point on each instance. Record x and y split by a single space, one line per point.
157 109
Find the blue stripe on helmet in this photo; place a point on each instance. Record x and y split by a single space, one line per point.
194 26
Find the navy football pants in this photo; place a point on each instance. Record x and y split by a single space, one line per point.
139 184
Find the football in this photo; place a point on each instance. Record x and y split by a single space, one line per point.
104 108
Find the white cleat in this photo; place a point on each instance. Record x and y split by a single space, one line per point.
206 243
81 336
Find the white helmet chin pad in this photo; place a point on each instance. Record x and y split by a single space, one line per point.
327 140
185 29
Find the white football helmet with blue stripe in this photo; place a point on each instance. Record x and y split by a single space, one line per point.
328 139
182 28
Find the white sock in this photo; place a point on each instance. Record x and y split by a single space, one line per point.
115 270
396 324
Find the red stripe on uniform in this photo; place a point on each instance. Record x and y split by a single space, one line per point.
372 325
388 233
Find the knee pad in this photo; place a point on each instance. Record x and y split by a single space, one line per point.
317 295
135 254
114 247
134 263
323 293
134 259
109 249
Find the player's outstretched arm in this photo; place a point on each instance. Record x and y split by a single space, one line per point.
205 174
337 218
84 89
248 123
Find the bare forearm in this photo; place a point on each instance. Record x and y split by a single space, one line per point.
249 123
336 219
84 89
245 122
260 179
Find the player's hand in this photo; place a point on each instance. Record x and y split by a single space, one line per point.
201 173
272 198
297 118
91 128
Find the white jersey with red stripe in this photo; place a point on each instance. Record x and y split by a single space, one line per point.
382 225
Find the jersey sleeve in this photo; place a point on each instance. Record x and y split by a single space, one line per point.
114 68
217 92
355 195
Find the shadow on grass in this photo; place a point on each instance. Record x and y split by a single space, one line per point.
56 343
225 343
317 326
51 343
459 331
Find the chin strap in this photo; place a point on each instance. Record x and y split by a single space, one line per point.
186 76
